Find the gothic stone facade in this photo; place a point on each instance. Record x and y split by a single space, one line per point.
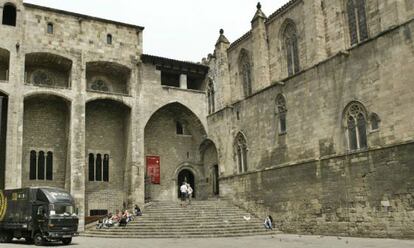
312 116
308 116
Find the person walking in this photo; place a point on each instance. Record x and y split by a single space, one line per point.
183 191
189 193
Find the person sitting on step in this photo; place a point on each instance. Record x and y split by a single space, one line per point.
268 223
137 211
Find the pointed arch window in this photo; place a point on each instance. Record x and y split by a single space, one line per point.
356 126
290 40
281 111
245 72
375 121
211 97
357 21
240 149
9 14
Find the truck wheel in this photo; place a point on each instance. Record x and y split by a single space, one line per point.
38 239
67 241
5 237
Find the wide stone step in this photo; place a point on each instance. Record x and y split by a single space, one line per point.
201 219
179 234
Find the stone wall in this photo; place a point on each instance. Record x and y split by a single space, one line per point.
365 194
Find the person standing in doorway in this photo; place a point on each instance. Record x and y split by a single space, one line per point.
189 192
183 191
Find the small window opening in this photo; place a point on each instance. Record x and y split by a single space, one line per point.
170 79
50 28
9 15
109 39
179 128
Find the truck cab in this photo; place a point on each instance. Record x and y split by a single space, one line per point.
39 215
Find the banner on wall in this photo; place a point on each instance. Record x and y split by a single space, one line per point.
153 169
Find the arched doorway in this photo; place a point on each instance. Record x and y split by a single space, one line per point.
188 177
172 135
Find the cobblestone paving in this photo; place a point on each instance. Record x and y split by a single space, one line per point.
275 241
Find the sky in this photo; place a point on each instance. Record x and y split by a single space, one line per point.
179 29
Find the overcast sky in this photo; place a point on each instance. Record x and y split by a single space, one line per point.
179 29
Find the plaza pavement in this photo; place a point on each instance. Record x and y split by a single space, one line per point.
275 241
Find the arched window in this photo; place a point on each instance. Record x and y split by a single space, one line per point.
41 166
211 97
109 39
290 40
357 21
50 28
245 72
49 166
240 149
9 14
106 168
281 111
356 126
33 171
375 120
91 167
98 170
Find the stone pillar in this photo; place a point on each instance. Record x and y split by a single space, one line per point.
260 51
222 80
137 158
77 141
183 81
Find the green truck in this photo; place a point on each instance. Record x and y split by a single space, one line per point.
37 214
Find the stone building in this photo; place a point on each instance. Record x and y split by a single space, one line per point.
312 116
308 116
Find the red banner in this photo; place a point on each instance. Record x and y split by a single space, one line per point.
153 169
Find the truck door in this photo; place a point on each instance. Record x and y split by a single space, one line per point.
40 220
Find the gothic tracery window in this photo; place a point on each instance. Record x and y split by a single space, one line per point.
290 40
356 126
245 72
357 21
99 85
240 147
281 112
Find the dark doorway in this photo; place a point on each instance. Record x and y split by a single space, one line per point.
188 177
3 134
216 188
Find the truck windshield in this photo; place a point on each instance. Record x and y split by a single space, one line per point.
59 209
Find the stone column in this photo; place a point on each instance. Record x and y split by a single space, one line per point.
77 141
183 81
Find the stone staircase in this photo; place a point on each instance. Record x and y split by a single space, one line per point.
201 219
